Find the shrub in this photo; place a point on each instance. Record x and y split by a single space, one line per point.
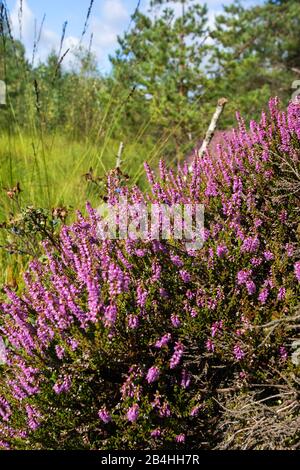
131 344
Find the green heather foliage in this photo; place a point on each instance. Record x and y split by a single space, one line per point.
131 344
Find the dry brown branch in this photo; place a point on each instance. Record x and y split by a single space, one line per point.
245 419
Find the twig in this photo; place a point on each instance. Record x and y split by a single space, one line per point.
279 321
119 155
212 128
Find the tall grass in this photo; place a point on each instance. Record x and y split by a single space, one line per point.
49 157
51 173
59 178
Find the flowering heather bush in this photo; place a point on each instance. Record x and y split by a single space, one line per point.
134 344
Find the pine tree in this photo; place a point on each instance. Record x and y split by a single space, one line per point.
162 57
13 70
256 53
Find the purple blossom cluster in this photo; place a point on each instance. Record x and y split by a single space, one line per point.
104 415
297 270
33 417
95 314
177 355
239 354
133 413
153 374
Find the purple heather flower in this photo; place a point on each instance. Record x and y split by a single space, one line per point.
62 385
185 379
177 355
257 223
268 174
281 293
4 445
153 374
251 287
289 249
269 283
5 411
176 260
195 410
176 322
216 229
73 344
33 417
111 313
185 276
263 295
163 341
133 413
163 293
283 216
243 276
238 352
210 345
104 415
133 321
211 189
268 255
193 313
180 438
212 303
283 353
155 433
190 294
60 351
216 328
256 261
140 252
142 295
156 272
297 270
222 250
250 245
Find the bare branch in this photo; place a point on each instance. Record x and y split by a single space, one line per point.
212 128
119 155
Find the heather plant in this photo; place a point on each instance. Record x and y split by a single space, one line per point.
135 344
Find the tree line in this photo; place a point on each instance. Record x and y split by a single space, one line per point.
166 75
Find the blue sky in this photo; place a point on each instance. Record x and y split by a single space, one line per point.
109 18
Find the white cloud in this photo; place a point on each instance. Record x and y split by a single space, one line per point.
105 24
104 34
27 20
49 40
114 11
111 22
